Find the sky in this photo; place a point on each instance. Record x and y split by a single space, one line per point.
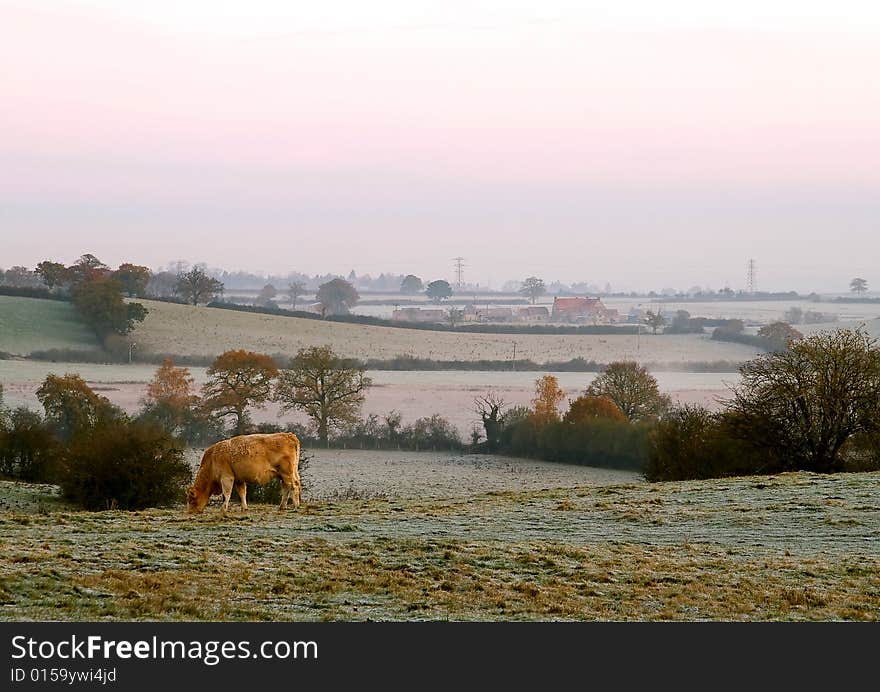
638 143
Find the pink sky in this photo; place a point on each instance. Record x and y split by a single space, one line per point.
641 153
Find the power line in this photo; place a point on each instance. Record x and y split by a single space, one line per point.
459 270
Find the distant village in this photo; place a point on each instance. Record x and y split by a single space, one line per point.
564 310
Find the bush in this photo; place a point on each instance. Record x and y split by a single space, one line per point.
598 442
692 443
28 449
120 465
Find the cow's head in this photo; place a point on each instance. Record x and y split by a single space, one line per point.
195 500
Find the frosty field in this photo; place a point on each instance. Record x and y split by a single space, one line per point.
790 547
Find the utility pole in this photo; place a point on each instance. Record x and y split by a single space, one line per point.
459 270
130 348
752 277
514 356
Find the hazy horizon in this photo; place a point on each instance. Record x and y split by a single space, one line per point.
576 142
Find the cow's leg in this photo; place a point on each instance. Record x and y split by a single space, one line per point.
297 490
286 489
226 484
241 487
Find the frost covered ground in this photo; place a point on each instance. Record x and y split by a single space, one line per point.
439 544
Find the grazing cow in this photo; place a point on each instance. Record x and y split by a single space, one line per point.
244 459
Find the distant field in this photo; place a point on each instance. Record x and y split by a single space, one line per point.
414 394
790 547
31 324
187 330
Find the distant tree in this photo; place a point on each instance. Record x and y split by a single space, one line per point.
195 286
238 380
533 288
632 388
162 284
548 396
438 291
21 277
807 402
858 286
53 274
490 409
586 409
170 397
87 268
411 285
28 448
99 301
794 315
133 278
654 320
265 296
327 388
71 405
779 334
455 315
337 297
295 289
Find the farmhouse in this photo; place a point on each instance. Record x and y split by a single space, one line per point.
418 315
533 313
581 310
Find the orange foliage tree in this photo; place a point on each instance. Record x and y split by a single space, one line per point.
586 409
548 396
238 380
72 405
170 395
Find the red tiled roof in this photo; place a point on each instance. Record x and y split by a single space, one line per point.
574 304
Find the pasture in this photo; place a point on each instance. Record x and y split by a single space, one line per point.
188 330
32 324
790 547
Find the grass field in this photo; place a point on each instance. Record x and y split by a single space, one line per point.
32 324
790 547
188 330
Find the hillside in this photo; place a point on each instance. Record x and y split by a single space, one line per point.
32 324
188 330
790 547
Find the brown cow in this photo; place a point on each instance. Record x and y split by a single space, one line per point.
244 459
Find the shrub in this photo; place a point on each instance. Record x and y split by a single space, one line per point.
28 449
119 465
693 443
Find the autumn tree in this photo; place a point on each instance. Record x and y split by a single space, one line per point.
411 284
337 297
805 403
88 268
170 397
238 380
654 320
779 335
295 289
632 388
99 301
586 409
438 291
548 396
71 405
195 286
326 387
858 286
533 288
54 274
133 278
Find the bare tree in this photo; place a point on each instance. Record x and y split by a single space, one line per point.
533 288
195 286
858 286
296 289
490 408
